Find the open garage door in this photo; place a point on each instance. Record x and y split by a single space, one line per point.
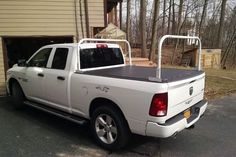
23 47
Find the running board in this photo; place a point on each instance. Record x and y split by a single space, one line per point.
57 112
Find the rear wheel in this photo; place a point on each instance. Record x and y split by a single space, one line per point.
17 95
109 128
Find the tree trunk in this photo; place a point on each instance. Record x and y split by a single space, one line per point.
164 17
136 25
178 29
169 20
221 26
228 48
203 17
128 21
154 30
180 15
173 17
143 28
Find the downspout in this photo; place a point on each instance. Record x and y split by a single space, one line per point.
81 18
86 18
76 21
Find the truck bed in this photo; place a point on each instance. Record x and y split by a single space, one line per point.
143 73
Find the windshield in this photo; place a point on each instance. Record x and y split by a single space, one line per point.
99 57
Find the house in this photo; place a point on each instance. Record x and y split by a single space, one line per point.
26 25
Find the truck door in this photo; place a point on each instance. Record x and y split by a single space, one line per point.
57 76
34 74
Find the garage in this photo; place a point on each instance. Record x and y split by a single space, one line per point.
16 48
25 26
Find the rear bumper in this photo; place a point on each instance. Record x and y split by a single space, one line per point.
177 123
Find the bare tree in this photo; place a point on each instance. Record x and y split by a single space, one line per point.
136 5
221 26
178 29
228 48
169 17
154 30
181 2
128 21
164 17
143 28
203 17
173 17
169 20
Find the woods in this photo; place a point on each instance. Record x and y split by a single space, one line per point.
214 21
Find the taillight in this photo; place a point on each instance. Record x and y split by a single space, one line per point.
159 104
102 46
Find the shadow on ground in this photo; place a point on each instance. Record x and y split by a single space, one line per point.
29 132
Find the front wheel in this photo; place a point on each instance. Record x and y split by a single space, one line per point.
109 128
17 95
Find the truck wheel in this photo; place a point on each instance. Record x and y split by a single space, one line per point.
109 128
17 95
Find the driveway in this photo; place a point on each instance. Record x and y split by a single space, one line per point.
32 133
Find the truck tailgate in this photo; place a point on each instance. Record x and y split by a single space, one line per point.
184 94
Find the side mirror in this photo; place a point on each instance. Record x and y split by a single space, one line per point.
22 63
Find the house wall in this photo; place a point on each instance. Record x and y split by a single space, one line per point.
96 13
47 17
20 18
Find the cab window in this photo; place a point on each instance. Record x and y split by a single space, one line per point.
41 58
60 58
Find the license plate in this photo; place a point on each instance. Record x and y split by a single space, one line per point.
187 113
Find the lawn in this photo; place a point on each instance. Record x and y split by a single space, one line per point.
219 82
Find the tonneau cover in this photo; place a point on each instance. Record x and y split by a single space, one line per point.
143 73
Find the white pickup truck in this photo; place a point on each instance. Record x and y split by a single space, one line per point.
89 81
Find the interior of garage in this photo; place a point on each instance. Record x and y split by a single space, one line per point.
23 47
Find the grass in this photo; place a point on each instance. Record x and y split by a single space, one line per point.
219 83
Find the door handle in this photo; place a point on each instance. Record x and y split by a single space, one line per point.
61 78
40 74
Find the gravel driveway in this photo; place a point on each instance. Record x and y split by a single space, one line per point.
32 133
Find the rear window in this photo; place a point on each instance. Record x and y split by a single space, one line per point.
99 57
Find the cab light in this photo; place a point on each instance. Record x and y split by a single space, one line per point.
102 46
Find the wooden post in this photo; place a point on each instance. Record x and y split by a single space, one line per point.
203 60
105 12
115 12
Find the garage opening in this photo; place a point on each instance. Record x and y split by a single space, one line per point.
24 47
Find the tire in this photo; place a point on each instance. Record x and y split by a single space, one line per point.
18 96
109 128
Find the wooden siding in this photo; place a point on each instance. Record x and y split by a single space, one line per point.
47 17
96 13
2 73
